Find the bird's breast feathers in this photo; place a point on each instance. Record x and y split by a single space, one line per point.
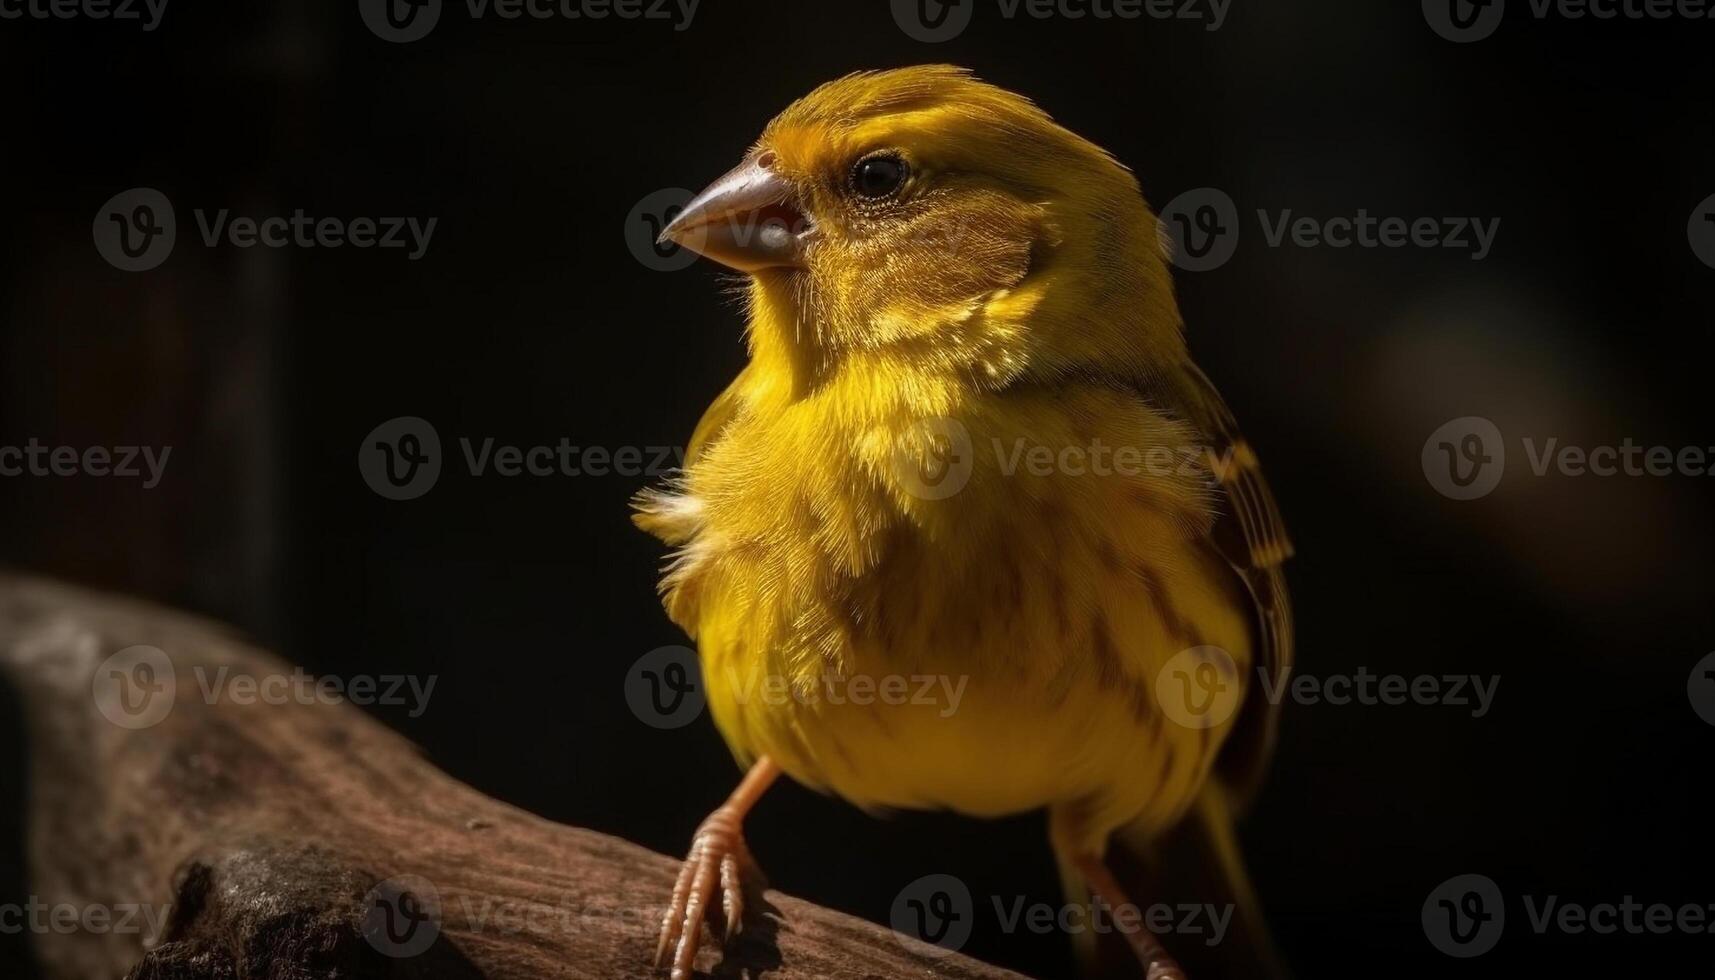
963 600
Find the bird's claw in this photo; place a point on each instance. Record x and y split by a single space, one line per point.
720 856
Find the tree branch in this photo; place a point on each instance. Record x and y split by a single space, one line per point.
307 841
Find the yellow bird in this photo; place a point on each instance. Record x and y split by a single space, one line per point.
970 530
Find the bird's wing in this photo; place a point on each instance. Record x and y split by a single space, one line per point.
1249 535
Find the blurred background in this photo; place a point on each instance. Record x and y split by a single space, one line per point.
530 318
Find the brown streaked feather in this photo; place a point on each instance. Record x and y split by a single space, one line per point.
1249 535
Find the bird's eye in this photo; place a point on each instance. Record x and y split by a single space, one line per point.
876 177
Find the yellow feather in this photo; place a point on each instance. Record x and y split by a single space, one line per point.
1012 296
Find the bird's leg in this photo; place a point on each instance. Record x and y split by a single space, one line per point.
1157 964
718 854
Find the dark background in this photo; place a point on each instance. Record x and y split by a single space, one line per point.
529 320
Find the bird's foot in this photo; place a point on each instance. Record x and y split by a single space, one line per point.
1151 955
718 856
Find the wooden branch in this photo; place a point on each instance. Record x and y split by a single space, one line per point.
306 841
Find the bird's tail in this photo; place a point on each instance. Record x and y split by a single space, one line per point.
1192 888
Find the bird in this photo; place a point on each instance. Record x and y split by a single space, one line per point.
969 443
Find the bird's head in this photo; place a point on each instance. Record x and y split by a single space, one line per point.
921 209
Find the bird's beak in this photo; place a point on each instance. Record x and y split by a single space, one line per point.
745 220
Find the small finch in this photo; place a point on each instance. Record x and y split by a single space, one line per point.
970 445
